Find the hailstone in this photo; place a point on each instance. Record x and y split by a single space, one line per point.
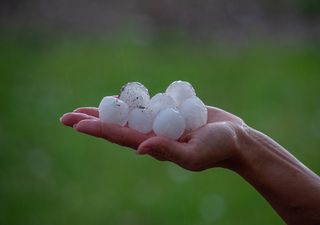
161 101
135 95
194 113
169 123
168 114
180 91
113 110
141 119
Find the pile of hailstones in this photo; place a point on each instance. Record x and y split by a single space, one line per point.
168 114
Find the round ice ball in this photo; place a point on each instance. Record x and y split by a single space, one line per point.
135 95
194 113
180 91
113 110
141 119
161 101
169 123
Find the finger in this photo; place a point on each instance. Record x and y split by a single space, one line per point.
70 119
92 111
114 133
165 149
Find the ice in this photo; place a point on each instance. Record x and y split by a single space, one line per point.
194 112
141 119
135 95
113 110
180 91
169 123
161 101
168 114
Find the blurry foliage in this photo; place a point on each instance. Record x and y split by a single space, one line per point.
309 8
206 18
51 175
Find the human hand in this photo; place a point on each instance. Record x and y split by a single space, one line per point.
209 146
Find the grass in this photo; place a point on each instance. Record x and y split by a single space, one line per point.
51 175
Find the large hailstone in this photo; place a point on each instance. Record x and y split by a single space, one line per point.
141 119
194 113
135 95
180 91
161 101
113 110
169 123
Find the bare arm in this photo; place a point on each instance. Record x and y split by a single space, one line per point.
290 187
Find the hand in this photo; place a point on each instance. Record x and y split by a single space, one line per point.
212 145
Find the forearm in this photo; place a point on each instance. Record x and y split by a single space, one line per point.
291 188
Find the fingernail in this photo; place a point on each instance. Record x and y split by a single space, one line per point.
143 151
61 118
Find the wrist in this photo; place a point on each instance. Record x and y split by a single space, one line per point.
247 150
239 137
255 152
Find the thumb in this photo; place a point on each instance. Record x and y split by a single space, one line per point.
163 149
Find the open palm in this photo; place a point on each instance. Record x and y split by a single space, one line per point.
209 146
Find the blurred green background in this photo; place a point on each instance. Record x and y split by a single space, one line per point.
51 175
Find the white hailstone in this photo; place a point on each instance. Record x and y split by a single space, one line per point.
169 123
135 95
180 91
194 113
141 119
113 110
161 101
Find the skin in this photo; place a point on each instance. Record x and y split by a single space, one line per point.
225 141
